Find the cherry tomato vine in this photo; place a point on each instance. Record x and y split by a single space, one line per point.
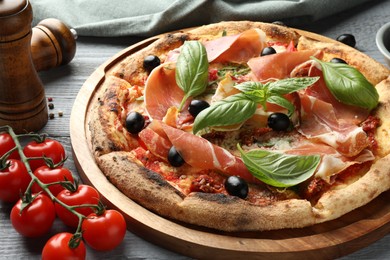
42 186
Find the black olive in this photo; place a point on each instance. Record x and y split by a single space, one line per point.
134 122
347 39
267 51
338 60
278 122
196 106
236 186
174 157
150 62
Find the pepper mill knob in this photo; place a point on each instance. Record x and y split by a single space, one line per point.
22 96
52 44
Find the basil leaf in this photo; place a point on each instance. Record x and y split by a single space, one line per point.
348 85
192 69
279 87
281 101
278 169
290 85
240 107
258 96
229 111
249 86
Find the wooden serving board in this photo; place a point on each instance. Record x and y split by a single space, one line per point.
329 240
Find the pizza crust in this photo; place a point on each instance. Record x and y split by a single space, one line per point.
137 182
219 211
382 134
131 68
228 213
338 202
275 33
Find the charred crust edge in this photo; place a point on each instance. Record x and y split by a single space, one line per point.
219 198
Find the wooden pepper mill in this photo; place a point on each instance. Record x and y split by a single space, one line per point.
52 44
22 96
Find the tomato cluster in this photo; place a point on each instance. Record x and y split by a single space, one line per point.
35 179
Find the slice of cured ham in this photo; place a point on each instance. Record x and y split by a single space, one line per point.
155 140
200 153
236 48
319 122
161 91
332 162
162 96
278 65
351 114
325 119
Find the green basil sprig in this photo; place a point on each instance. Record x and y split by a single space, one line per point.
348 85
229 111
240 107
278 169
192 69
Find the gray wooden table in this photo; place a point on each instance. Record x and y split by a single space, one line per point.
63 84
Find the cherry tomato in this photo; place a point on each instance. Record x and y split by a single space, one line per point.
35 219
14 180
104 232
6 144
83 195
47 175
58 248
49 148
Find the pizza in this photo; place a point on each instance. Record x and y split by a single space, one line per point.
244 126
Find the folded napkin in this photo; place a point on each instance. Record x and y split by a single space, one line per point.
151 17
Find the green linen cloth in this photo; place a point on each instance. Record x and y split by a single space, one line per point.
151 17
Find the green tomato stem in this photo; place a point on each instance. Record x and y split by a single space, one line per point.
4 158
45 187
74 242
95 206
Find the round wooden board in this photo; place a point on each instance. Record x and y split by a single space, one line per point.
329 240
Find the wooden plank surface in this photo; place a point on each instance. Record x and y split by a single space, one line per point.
63 84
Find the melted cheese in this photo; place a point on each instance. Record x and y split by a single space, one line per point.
225 88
